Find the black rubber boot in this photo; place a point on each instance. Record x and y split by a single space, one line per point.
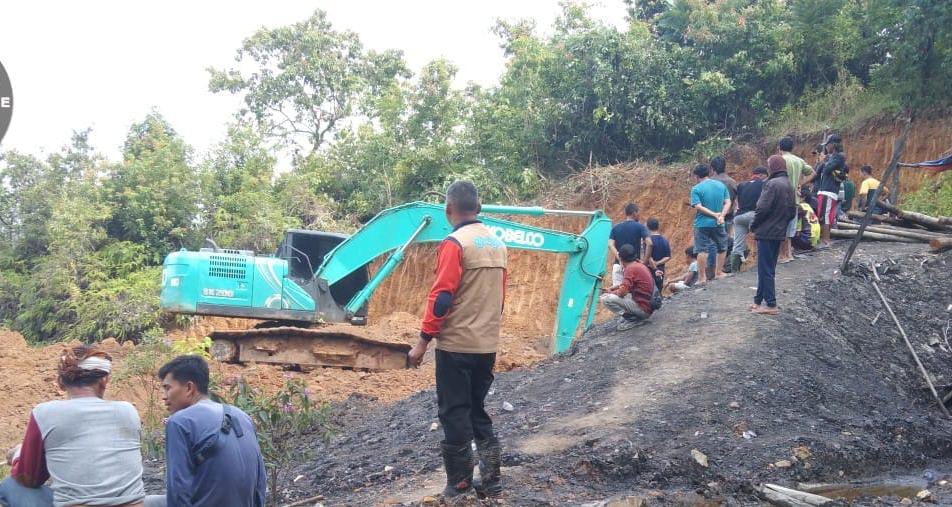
489 482
458 461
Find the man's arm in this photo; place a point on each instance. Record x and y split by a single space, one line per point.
29 468
449 272
806 176
178 466
649 245
704 211
766 205
612 249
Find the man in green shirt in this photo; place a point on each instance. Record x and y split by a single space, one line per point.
800 173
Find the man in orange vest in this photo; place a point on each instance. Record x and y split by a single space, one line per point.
464 316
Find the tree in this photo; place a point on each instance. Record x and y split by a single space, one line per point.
155 193
241 208
308 81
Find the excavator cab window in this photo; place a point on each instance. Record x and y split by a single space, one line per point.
305 251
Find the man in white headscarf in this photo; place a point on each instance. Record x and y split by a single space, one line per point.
87 447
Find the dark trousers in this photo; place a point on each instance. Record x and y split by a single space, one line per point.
462 382
658 280
767 252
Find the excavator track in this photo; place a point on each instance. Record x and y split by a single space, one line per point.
307 347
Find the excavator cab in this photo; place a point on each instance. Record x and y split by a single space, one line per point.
305 251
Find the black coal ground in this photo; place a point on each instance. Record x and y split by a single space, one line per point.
818 394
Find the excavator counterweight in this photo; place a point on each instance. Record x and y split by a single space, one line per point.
316 278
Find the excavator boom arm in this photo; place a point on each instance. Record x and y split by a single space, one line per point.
394 229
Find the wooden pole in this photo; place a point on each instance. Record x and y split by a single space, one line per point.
923 236
898 147
875 236
922 369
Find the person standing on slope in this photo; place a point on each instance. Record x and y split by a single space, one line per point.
464 316
774 210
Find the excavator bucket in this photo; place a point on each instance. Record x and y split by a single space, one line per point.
307 347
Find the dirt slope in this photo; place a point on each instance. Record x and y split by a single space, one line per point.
623 411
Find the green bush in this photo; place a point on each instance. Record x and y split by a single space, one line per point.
933 198
280 420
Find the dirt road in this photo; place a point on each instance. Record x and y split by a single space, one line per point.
812 395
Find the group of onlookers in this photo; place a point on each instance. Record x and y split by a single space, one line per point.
89 448
787 205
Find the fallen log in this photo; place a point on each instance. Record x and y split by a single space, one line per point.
917 229
786 497
877 236
923 236
941 245
884 219
919 218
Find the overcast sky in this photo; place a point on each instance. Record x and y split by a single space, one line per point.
106 64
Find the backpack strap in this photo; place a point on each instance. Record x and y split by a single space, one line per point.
228 424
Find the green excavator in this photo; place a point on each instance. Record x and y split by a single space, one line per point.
317 278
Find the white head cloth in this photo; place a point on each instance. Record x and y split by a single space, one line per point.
96 363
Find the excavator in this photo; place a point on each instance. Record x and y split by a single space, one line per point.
317 278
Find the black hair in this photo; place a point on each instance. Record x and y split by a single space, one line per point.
627 253
760 170
785 143
689 251
866 169
701 171
184 369
837 147
653 224
630 209
463 196
718 164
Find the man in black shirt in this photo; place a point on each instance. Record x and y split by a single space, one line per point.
747 195
660 252
628 232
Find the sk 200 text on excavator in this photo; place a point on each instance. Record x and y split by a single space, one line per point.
321 277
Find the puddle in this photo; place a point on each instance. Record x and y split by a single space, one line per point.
851 492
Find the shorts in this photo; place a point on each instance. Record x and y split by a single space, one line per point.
826 205
792 228
707 237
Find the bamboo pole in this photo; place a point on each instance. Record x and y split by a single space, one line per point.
922 369
898 147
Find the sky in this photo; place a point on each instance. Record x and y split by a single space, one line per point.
108 63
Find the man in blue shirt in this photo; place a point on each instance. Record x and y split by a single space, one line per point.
628 232
712 201
660 252
211 450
